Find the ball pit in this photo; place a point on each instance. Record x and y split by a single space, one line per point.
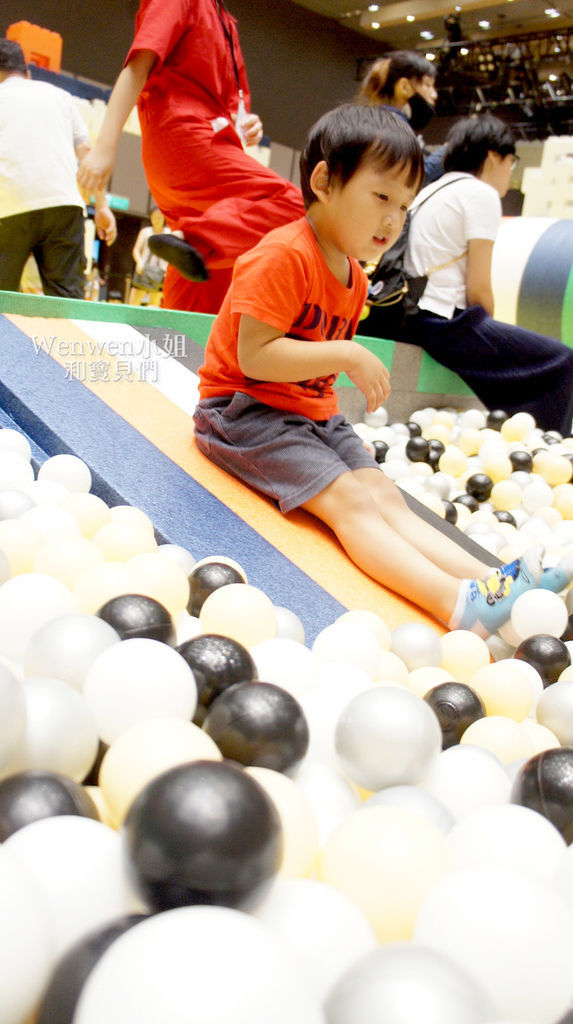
419 772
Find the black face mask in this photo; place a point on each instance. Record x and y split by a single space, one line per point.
422 111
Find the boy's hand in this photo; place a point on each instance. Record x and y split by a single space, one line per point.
370 376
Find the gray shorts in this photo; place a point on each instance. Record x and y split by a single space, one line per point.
288 457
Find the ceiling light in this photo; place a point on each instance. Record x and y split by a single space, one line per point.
410 17
375 24
552 12
484 24
426 34
430 56
464 51
373 7
552 78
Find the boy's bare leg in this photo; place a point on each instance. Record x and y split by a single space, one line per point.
348 507
429 541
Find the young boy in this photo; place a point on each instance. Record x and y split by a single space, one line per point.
268 411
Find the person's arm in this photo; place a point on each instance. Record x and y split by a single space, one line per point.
265 354
138 251
95 168
104 219
478 277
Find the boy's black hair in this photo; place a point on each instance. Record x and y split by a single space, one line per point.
12 57
471 139
352 133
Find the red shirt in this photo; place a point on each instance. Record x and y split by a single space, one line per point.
285 282
194 42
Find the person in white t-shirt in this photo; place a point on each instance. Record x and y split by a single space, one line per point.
42 137
451 239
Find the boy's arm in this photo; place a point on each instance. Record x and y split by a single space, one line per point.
95 169
266 354
478 275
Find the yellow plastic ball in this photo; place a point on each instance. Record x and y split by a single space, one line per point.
374 622
130 515
516 427
462 654
120 541
502 736
143 752
90 512
541 737
504 689
452 461
470 441
66 560
497 467
506 494
165 581
423 679
448 419
100 583
557 470
385 859
551 515
436 432
298 819
563 500
101 807
20 541
240 611
433 502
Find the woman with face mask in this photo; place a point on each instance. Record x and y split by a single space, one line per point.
405 82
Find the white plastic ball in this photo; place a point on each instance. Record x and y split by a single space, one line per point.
26 946
510 836
386 737
12 716
407 983
331 796
66 647
143 977
349 643
539 611
78 866
286 663
240 611
28 602
464 778
67 470
289 625
417 800
13 441
416 644
135 680
323 930
178 554
510 932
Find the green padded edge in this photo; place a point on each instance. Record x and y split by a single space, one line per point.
567 313
436 379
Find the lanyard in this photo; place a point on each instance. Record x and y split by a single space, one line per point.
229 37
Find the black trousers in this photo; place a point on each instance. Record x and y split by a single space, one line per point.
506 366
55 236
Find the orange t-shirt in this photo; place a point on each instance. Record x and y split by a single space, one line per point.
285 282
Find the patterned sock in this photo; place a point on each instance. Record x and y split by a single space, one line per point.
484 605
558 577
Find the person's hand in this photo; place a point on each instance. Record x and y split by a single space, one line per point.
94 170
139 267
370 376
105 225
252 129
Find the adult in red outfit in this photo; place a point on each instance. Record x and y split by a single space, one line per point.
187 75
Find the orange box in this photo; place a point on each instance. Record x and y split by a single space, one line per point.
40 45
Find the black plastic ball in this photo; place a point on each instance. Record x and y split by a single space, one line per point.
479 485
436 450
567 633
217 662
72 970
380 450
417 449
468 500
34 794
545 784
552 437
259 724
451 512
521 461
414 428
137 615
503 516
456 706
203 832
206 578
92 777
496 418
547 654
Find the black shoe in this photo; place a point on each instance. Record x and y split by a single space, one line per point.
180 255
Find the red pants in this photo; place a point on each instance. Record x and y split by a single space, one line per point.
222 199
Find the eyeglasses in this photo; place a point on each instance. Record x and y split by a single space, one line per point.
514 161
